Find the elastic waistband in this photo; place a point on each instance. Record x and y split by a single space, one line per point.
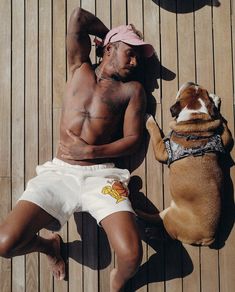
83 167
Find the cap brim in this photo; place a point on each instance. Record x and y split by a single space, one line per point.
147 48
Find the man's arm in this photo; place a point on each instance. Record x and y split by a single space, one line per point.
81 24
132 134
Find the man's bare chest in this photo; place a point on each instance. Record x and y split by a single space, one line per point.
96 101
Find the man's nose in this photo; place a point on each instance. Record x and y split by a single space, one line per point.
133 62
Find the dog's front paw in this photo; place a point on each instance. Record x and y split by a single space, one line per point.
216 99
147 116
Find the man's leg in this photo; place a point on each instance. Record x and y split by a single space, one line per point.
123 236
18 235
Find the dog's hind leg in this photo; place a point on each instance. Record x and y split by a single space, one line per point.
179 227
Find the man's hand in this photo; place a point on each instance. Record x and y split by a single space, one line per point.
77 149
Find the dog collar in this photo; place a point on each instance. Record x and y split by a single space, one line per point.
190 137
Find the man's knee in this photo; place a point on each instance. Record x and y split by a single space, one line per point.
7 242
131 256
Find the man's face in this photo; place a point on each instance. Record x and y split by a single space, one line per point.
125 59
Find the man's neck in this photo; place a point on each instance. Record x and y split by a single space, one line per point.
106 72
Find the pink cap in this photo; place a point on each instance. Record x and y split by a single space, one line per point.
129 35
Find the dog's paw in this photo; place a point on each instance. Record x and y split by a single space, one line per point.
147 116
216 99
148 120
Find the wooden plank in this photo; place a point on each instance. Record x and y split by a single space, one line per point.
118 12
5 207
105 254
103 11
45 80
5 131
224 88
204 77
75 249
173 266
45 111
156 247
204 47
31 120
233 44
187 69
152 36
59 79
221 47
186 44
89 227
5 89
18 263
137 163
90 5
59 63
156 256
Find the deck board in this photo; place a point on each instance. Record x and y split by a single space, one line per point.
193 42
204 74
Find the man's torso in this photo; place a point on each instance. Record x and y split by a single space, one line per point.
92 110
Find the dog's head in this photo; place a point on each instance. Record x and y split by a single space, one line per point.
193 100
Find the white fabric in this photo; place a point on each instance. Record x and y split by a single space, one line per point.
62 189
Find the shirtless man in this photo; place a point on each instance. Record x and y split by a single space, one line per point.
83 177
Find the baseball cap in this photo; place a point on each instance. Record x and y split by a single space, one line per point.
129 35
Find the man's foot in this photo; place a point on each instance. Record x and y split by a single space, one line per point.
56 262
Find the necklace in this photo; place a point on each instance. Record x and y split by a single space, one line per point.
100 77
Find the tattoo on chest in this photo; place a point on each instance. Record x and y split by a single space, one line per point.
116 107
75 92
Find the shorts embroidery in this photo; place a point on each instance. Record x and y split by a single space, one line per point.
117 191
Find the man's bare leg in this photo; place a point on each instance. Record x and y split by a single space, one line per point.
123 236
18 236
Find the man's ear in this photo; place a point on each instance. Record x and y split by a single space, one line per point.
108 49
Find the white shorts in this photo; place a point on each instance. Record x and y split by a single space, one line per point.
62 189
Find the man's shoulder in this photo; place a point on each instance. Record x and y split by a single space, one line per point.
134 88
134 85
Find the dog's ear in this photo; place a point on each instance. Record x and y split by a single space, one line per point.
213 110
175 109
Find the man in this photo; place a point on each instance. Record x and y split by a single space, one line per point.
82 177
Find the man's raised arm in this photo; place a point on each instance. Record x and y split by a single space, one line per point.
81 24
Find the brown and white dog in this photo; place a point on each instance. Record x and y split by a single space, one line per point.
198 133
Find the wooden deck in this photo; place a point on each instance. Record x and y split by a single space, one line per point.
194 42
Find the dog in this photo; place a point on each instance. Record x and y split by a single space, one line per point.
199 133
